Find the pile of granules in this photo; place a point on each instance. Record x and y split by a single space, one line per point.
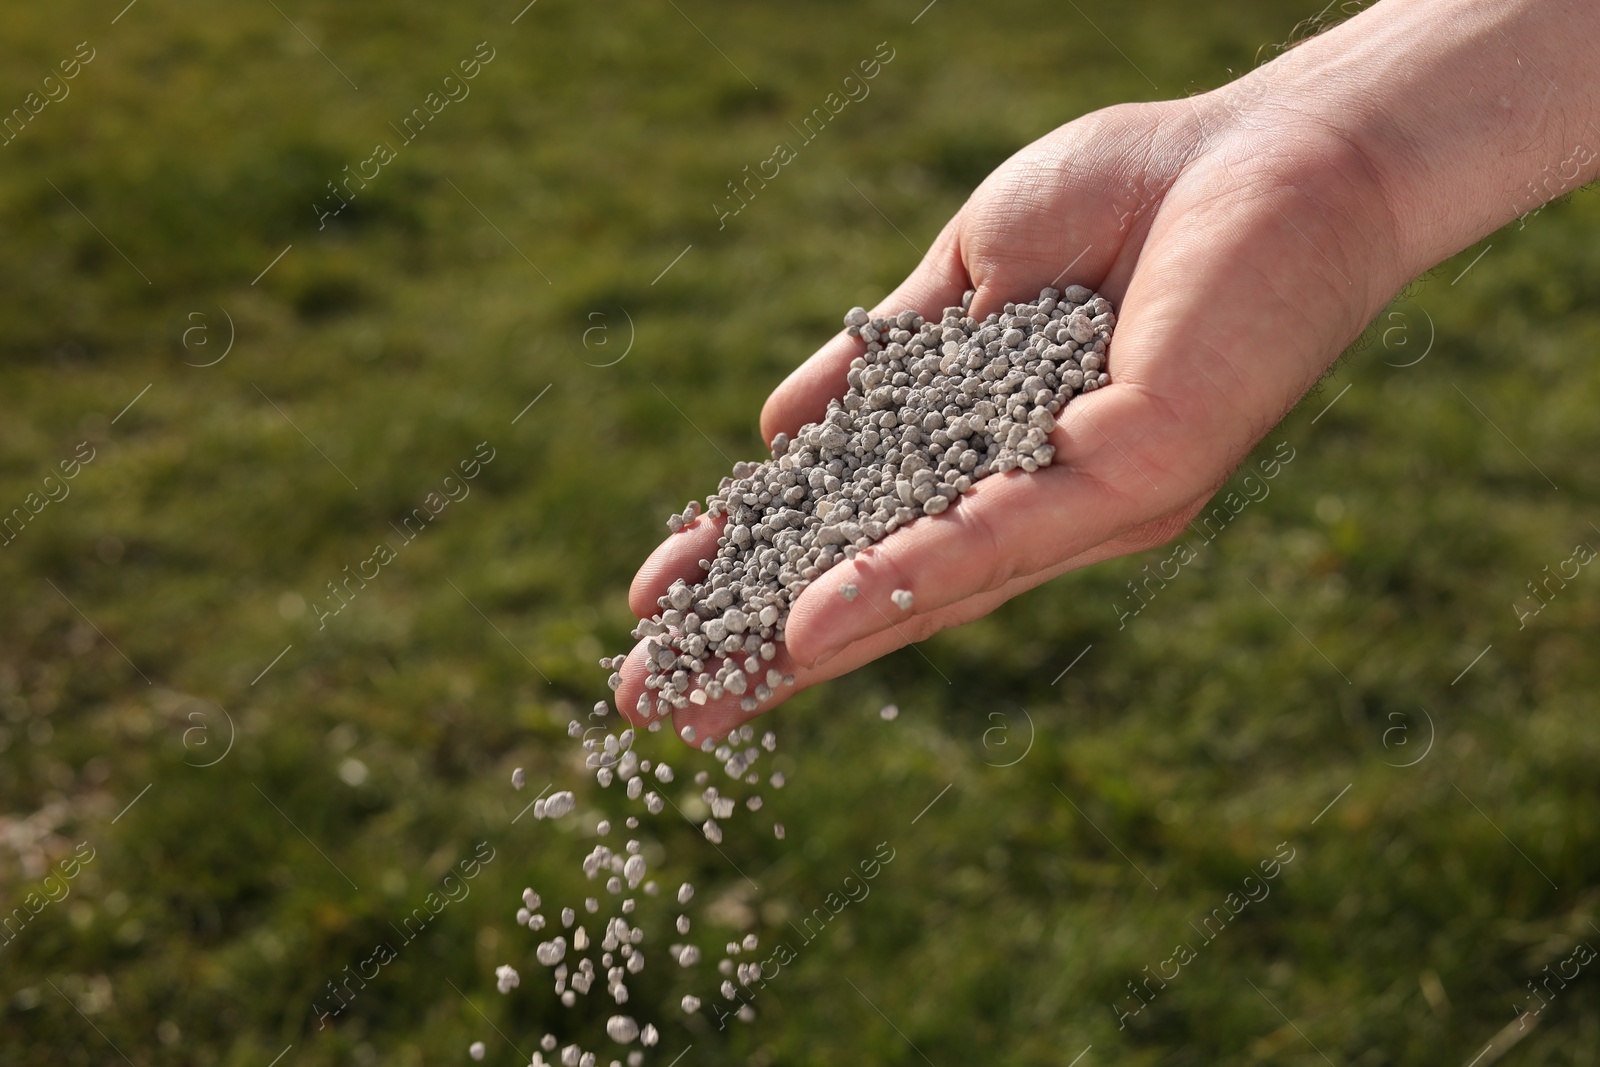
932 408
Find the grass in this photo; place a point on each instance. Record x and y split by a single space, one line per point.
163 615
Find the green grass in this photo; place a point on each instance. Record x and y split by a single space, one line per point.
1169 762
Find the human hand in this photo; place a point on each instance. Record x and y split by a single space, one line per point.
1242 253
1245 237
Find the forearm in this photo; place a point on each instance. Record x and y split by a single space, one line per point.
1471 112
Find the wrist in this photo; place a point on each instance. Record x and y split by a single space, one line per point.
1469 113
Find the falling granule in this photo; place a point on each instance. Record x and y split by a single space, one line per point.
889 712
518 780
476 1050
506 978
931 408
622 1029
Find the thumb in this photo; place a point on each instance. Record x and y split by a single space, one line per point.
938 282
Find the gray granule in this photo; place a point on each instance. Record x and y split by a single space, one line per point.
931 408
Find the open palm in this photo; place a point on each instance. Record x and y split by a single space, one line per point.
1243 247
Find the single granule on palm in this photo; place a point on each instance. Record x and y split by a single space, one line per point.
930 409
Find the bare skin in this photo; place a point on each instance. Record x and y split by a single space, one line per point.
1246 236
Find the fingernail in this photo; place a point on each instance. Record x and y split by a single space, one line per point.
825 657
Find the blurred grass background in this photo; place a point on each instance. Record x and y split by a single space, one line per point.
1175 755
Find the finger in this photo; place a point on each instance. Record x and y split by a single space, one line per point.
677 557
938 282
1006 526
712 718
716 718
1178 417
